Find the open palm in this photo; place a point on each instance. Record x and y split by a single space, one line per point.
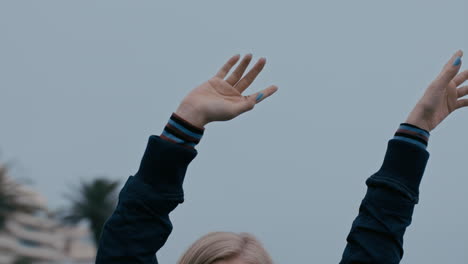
442 97
220 98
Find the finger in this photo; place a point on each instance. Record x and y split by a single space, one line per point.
250 76
250 101
461 103
462 91
451 68
227 66
239 71
461 78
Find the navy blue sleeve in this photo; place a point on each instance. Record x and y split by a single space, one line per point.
376 234
140 224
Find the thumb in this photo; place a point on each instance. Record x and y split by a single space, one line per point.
250 101
264 94
451 68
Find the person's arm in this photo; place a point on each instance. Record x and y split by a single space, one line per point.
140 224
376 235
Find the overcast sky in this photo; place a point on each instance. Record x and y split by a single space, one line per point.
84 83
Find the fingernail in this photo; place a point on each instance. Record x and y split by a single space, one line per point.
259 97
457 61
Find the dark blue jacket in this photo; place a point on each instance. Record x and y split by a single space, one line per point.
140 224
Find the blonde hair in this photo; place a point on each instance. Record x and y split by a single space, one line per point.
218 246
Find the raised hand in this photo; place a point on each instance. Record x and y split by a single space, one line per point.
442 97
221 98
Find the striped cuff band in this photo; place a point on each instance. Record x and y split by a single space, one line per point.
182 132
412 134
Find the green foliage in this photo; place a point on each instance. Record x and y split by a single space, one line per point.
93 201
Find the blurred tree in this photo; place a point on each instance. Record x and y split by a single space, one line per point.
10 201
93 201
23 260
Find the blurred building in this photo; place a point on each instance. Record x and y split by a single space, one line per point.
36 237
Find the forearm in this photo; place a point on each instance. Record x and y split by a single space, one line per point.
140 225
386 211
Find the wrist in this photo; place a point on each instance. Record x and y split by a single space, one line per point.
422 116
415 118
418 123
191 115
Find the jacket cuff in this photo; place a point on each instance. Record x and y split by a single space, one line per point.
402 169
180 131
164 165
412 134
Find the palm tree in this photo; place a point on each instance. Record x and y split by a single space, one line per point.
22 260
10 201
93 201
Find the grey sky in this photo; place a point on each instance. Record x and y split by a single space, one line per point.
84 83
